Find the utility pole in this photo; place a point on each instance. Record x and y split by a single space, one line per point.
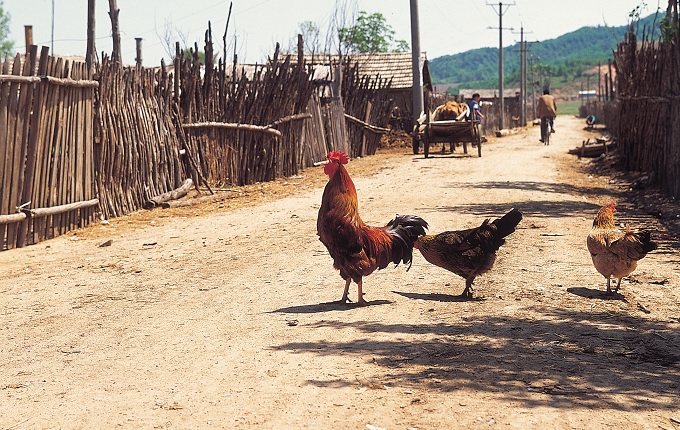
500 13
415 61
522 78
533 89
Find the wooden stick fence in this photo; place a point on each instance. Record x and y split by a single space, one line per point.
648 134
139 148
47 170
367 106
71 146
243 129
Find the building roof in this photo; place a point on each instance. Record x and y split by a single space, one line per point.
387 65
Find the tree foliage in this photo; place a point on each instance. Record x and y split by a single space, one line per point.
311 37
370 33
6 44
565 58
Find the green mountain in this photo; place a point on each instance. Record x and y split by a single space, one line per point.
563 58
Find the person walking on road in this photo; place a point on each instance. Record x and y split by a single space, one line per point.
547 111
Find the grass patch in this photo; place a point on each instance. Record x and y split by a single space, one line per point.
568 108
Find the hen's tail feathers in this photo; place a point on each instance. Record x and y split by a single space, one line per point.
405 230
645 239
507 223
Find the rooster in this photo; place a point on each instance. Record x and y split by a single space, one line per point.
616 252
358 249
468 253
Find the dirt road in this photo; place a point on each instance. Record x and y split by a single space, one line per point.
223 316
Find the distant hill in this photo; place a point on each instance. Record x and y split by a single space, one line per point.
563 58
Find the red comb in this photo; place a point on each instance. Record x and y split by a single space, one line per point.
338 156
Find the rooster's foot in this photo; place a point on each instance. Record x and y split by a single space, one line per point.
466 294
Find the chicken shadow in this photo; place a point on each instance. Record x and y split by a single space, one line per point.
328 306
438 297
592 293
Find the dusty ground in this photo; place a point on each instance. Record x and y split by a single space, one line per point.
222 316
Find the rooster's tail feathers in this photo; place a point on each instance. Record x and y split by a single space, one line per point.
405 230
507 223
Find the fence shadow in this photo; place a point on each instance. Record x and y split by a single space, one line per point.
582 359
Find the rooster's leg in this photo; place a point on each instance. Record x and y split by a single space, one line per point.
609 288
344 295
467 292
360 300
618 284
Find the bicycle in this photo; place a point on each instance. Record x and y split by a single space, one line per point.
546 129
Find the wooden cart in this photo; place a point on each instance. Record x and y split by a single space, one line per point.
451 132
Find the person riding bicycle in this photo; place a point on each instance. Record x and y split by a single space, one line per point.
547 111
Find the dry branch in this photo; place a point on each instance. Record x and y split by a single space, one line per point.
80 83
367 126
234 126
12 218
170 195
56 210
290 118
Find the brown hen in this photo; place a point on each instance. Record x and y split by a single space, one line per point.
615 252
469 253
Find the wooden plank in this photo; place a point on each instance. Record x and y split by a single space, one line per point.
20 102
56 175
4 148
77 145
63 176
33 148
88 178
46 160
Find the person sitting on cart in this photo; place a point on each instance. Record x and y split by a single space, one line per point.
475 110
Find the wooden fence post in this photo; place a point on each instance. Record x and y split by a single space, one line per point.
34 131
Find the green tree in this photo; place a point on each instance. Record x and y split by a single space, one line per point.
311 37
6 44
370 33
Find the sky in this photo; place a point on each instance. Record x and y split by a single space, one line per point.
446 26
